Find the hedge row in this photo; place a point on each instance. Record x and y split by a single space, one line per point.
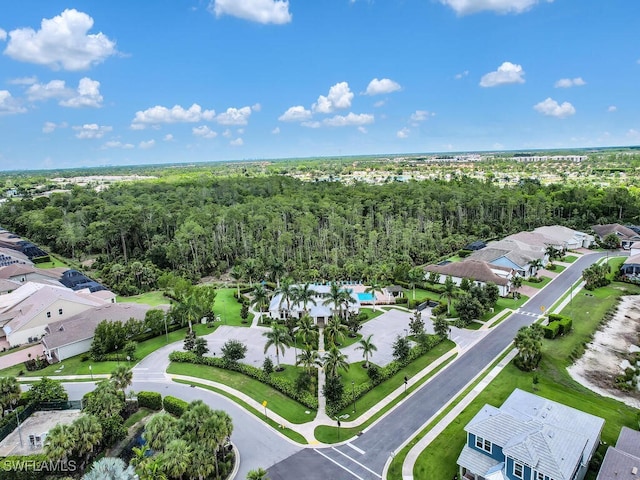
558 325
33 467
283 386
152 400
174 405
383 374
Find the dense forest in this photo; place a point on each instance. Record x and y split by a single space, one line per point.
202 224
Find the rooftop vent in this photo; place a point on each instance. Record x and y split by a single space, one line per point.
634 471
61 328
551 433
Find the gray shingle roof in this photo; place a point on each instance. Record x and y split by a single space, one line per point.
618 465
622 231
629 442
472 269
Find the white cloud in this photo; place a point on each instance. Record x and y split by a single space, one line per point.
552 108
168 137
464 7
238 142
362 129
227 133
91 130
23 80
313 124
261 11
404 133
159 114
349 120
507 73
50 127
382 86
234 116
612 108
204 132
86 95
339 97
461 75
633 133
3 35
570 82
276 131
421 115
118 144
61 42
147 144
9 105
295 114
256 108
379 103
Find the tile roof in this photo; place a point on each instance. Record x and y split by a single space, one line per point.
473 269
83 325
622 231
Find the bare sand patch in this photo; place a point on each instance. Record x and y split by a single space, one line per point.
607 355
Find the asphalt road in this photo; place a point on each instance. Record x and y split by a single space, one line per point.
373 448
259 445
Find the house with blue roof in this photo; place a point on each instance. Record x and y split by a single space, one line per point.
529 438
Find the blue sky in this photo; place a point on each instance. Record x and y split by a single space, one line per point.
94 83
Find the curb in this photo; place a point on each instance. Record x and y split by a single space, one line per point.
236 464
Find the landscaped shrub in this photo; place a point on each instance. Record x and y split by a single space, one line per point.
282 385
555 317
402 300
152 400
551 330
464 253
565 325
173 405
29 467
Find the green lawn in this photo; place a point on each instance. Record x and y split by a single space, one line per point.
295 436
356 373
371 314
504 303
438 460
327 434
54 263
276 401
136 417
544 282
569 258
150 298
228 308
422 294
474 325
346 341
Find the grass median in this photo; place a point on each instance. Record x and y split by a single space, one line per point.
277 402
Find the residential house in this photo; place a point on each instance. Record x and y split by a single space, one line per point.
319 312
624 234
73 336
477 271
8 286
622 462
536 240
529 438
29 273
9 256
514 254
569 238
25 312
631 267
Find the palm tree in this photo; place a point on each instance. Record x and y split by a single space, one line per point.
335 298
9 392
152 469
449 291
260 297
516 283
88 435
60 442
160 430
334 360
536 265
414 276
276 268
367 348
257 474
441 326
335 331
121 378
372 289
286 289
177 458
307 330
110 468
278 336
203 464
304 294
251 269
139 455
309 358
237 273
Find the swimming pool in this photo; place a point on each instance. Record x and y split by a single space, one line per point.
365 297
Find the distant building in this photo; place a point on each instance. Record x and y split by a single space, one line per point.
622 462
529 438
478 272
625 235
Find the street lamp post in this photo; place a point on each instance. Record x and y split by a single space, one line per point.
353 392
19 429
91 372
128 360
166 331
117 356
